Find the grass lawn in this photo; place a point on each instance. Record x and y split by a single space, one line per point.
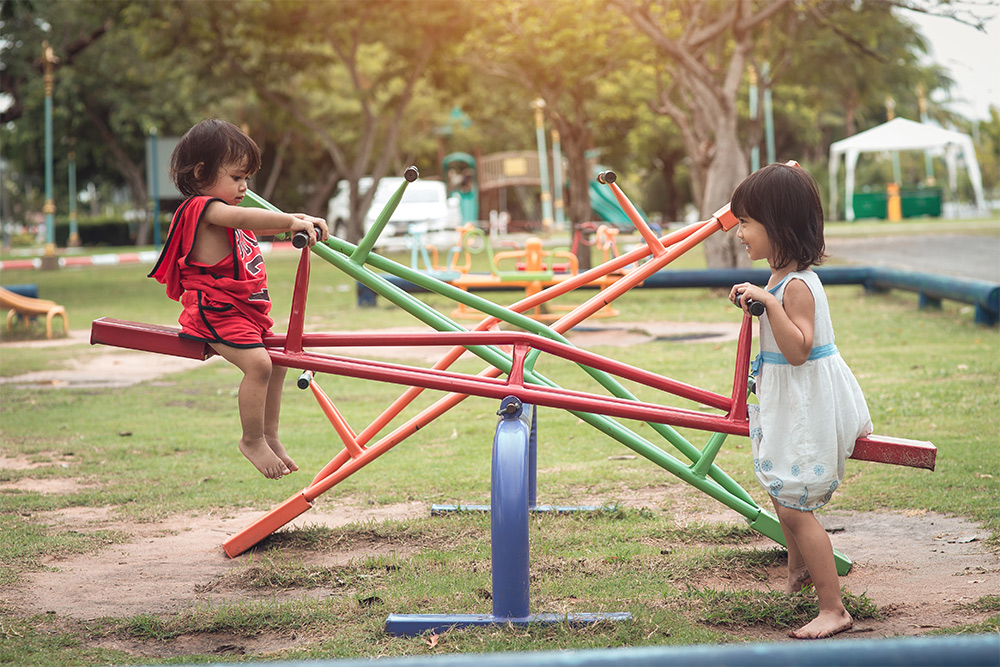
165 448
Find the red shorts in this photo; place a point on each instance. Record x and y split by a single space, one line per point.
215 322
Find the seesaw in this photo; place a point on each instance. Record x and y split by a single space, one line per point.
510 353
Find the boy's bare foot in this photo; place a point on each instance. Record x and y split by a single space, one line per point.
260 455
827 624
280 452
797 580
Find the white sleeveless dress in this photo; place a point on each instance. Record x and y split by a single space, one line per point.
807 417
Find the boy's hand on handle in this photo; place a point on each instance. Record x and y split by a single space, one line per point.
307 230
750 298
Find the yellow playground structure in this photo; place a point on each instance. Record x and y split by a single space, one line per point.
531 268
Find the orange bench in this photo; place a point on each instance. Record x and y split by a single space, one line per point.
26 307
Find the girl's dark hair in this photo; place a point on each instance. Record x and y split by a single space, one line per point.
785 200
211 144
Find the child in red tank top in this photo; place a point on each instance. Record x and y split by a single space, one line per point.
212 264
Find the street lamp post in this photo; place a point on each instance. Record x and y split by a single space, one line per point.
154 180
755 149
543 165
768 114
557 180
928 160
49 260
74 230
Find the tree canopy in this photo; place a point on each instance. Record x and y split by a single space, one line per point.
339 89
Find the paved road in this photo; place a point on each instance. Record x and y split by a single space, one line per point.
962 255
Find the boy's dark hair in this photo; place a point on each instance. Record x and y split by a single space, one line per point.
210 144
785 200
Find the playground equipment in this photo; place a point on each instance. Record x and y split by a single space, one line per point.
492 175
532 268
510 353
460 176
604 204
27 308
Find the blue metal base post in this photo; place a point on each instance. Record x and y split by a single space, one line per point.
509 499
440 510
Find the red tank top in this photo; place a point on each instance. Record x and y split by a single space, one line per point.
240 278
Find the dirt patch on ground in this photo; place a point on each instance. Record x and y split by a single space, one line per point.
920 568
96 366
168 566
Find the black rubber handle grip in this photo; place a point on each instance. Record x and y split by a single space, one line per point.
755 308
301 239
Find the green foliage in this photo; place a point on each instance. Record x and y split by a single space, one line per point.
990 626
341 89
985 603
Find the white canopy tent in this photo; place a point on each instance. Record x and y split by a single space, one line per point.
900 134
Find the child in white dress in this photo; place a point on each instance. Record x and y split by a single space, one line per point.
811 409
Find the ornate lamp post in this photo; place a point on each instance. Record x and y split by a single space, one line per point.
49 260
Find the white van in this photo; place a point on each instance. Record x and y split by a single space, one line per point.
425 207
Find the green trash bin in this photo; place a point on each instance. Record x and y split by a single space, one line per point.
870 204
921 202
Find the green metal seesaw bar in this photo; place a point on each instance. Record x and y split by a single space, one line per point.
702 474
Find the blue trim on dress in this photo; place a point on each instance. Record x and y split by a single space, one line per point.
774 290
827 350
777 358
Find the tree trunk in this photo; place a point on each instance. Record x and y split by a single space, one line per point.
575 141
276 165
727 168
134 174
672 196
701 99
317 204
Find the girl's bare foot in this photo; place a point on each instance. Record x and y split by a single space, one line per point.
260 455
827 624
280 452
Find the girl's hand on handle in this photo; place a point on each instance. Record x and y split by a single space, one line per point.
750 298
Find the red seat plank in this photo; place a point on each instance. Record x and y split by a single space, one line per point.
897 451
146 337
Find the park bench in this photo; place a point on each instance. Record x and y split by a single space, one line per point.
28 307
